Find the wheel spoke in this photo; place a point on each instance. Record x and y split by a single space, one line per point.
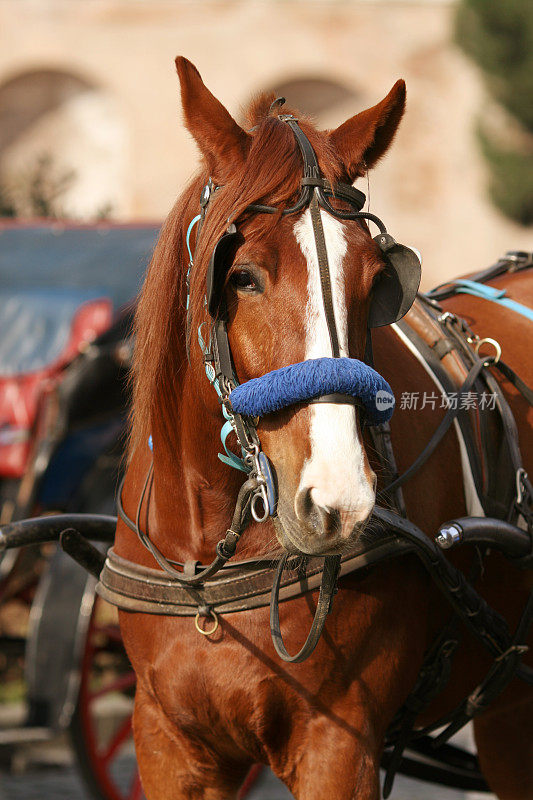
136 790
117 740
110 631
118 685
106 673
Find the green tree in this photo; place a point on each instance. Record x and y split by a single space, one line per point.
35 191
39 190
498 36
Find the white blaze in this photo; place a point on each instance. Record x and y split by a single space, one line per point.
334 473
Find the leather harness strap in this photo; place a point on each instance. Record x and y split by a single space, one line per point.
325 277
328 588
513 261
444 425
133 587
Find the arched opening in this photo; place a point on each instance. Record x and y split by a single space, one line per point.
62 147
320 97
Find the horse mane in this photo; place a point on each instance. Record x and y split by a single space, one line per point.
271 174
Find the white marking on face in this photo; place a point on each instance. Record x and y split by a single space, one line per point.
334 473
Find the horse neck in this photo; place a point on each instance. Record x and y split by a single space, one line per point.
193 495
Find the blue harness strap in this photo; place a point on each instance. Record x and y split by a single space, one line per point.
229 458
464 286
192 223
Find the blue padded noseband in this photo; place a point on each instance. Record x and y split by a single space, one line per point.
313 378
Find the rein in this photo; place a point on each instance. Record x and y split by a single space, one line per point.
114 584
225 548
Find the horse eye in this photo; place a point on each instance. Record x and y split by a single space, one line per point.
244 280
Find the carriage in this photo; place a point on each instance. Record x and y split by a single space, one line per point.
64 355
194 716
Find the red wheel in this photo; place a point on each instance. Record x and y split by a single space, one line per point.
250 781
101 725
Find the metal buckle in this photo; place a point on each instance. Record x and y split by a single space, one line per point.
206 193
521 488
447 317
518 256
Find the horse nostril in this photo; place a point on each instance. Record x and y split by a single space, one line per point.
303 504
331 520
321 518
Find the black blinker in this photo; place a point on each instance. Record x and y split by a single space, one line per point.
220 260
396 287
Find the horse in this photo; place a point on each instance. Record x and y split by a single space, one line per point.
209 707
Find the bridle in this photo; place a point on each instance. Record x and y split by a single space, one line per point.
392 297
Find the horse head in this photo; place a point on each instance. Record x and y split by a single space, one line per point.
255 272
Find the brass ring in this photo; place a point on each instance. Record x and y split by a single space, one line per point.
209 631
494 343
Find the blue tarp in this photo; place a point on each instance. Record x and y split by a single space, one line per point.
48 270
109 258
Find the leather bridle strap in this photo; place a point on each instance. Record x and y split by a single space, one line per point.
311 168
328 588
312 174
442 428
325 277
225 548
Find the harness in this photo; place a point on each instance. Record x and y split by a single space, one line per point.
206 591
391 299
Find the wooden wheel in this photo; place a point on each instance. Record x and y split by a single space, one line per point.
101 725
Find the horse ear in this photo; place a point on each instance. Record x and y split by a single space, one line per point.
222 142
364 138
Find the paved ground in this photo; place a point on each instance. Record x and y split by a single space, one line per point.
47 772
64 784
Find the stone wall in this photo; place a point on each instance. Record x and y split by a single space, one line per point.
116 120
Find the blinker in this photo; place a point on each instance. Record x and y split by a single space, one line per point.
392 297
396 287
222 255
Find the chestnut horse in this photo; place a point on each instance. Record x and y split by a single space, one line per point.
207 708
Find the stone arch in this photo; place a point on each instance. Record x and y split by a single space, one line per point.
73 123
321 97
